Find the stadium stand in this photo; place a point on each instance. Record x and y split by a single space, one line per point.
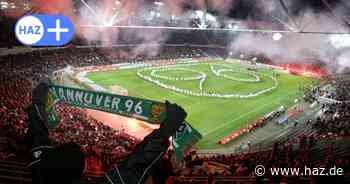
293 149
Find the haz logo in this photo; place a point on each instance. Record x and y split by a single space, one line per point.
44 30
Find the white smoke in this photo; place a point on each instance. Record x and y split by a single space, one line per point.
343 61
293 47
100 13
340 41
296 47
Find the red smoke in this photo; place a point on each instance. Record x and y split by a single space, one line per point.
222 6
175 6
53 6
310 70
64 7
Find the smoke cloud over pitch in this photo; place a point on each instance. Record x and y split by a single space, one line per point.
295 15
295 47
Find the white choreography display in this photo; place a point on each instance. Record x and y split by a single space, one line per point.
156 78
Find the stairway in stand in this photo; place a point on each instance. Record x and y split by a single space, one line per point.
14 171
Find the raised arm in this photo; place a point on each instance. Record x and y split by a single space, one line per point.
136 168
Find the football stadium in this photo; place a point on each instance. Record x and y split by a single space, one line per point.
174 92
213 86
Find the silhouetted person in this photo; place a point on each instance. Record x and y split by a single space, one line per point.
64 164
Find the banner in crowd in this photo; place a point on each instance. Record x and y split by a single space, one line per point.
147 110
185 137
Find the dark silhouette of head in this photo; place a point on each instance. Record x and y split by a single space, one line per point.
63 165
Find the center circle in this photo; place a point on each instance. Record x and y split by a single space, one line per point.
160 80
197 77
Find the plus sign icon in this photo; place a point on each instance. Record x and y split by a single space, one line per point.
44 30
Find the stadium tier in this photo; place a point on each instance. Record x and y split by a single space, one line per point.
203 86
175 92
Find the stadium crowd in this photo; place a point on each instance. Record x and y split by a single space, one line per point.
336 116
19 72
282 155
99 140
106 146
93 136
343 90
15 96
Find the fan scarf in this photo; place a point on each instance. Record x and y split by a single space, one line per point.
147 110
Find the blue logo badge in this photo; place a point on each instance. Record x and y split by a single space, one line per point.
44 30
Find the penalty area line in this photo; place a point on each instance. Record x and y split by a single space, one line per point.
245 114
239 117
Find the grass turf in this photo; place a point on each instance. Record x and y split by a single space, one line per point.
214 118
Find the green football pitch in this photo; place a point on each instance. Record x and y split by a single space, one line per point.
213 117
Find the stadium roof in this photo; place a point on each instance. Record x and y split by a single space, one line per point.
280 15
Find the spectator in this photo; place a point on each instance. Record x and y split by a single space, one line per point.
65 163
